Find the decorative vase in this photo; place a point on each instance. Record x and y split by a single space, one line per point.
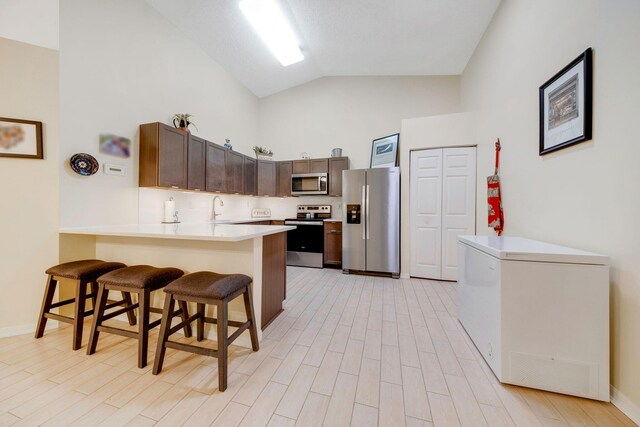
183 126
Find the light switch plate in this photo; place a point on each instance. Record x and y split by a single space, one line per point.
118 170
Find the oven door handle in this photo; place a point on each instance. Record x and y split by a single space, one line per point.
318 223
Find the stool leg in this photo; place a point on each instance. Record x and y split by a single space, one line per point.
49 292
94 295
78 318
165 326
185 318
128 303
200 322
98 312
222 320
248 307
143 327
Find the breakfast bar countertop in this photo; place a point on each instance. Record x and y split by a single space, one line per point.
183 231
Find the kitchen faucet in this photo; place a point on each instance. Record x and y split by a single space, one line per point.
213 212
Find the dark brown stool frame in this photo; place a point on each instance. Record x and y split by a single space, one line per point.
222 323
80 312
145 308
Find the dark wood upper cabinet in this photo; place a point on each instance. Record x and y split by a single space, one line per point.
163 156
319 165
266 178
196 167
216 170
301 166
250 175
283 179
336 166
233 172
333 243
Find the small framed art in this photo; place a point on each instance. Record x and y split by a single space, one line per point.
566 103
384 151
20 138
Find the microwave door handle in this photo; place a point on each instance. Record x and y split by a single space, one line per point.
363 215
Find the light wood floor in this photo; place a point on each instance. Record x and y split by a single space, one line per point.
348 350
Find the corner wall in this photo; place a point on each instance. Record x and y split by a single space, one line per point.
585 196
29 187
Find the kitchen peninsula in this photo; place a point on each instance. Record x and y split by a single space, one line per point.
258 251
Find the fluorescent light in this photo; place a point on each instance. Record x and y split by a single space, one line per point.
269 21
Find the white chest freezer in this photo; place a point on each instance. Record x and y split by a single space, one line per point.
538 313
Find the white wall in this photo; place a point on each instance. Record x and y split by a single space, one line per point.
30 21
122 64
585 196
29 187
349 112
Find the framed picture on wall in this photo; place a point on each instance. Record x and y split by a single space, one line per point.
384 151
566 103
20 138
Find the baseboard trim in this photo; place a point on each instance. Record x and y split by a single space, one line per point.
12 331
623 403
405 276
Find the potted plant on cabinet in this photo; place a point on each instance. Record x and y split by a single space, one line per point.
263 153
182 121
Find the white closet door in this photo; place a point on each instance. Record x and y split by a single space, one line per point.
426 213
458 204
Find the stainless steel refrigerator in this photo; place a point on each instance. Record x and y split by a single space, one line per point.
371 220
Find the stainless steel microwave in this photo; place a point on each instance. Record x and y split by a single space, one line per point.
303 184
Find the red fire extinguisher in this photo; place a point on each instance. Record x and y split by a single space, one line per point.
496 214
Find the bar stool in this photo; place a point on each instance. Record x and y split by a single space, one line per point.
140 280
84 273
214 289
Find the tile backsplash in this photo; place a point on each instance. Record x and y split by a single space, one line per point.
197 207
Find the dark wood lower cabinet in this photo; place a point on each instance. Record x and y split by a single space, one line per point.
274 276
333 243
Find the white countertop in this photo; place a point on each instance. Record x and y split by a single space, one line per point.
521 249
219 232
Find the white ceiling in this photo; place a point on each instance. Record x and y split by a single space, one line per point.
338 37
30 21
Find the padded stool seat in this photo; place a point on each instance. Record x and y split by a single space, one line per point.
87 269
140 280
141 277
207 288
205 284
85 274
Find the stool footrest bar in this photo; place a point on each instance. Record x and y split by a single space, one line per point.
191 348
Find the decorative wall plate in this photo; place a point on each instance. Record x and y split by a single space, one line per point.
84 164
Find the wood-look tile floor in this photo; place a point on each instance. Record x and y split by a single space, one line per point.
348 350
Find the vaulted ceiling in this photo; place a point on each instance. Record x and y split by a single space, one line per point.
338 37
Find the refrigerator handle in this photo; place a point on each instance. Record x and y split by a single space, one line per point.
364 214
366 211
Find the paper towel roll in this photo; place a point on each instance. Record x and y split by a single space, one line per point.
169 210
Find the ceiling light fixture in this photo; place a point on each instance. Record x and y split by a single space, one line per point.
269 21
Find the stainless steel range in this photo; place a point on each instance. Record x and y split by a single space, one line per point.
305 244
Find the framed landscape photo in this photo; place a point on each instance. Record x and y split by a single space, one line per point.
566 104
384 151
20 138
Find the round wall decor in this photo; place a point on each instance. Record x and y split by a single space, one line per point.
84 164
